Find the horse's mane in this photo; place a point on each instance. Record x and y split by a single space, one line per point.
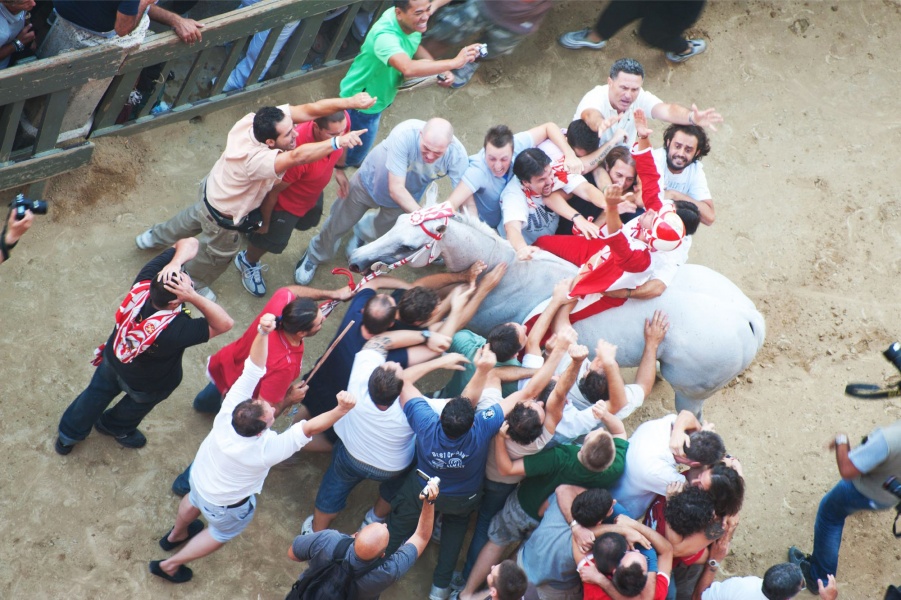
474 222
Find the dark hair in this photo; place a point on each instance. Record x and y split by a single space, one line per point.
416 305
298 315
379 314
264 122
579 136
727 488
504 341
499 136
594 386
629 581
545 394
525 424
384 386
626 65
618 153
591 507
689 511
703 148
335 117
706 447
247 418
608 549
511 582
529 163
457 417
690 215
600 453
160 297
782 581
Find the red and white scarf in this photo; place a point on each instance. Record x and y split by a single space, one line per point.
133 335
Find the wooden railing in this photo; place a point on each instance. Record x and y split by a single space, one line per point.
205 66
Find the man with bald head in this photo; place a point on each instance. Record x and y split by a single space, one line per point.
392 179
366 554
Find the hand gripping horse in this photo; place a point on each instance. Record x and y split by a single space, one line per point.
715 330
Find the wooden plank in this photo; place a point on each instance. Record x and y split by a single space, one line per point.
347 21
263 56
53 120
9 122
114 99
234 55
189 83
298 47
50 164
67 70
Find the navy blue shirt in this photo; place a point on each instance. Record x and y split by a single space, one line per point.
460 463
99 16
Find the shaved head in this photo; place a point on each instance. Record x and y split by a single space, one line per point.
434 139
371 541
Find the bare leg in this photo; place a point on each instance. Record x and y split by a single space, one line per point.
254 254
302 414
187 513
200 545
319 443
322 520
381 508
490 555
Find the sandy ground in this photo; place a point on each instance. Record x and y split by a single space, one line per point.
807 227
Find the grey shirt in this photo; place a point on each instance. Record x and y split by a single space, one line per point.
547 556
485 186
318 548
399 154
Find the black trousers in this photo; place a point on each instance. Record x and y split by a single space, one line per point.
662 22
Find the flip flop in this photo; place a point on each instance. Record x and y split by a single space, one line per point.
183 574
193 529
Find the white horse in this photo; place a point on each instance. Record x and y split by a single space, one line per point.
715 330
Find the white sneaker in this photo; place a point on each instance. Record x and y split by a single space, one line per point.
369 519
437 593
251 274
695 48
575 40
207 293
145 241
307 527
305 270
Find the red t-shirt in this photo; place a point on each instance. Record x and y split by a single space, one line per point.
306 182
591 591
282 364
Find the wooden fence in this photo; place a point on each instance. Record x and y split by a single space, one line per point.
201 74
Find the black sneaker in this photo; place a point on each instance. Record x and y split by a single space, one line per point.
61 448
134 439
796 557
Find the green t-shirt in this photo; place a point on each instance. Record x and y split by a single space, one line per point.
556 466
370 71
468 343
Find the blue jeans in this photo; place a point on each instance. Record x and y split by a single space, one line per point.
209 400
359 120
343 475
88 407
842 501
494 495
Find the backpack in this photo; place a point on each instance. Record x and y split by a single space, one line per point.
333 580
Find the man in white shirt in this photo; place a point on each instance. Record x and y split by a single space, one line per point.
232 464
780 582
614 103
683 174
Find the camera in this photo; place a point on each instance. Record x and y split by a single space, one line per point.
893 486
893 355
22 204
483 50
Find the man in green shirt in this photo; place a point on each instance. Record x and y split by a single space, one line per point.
504 340
389 54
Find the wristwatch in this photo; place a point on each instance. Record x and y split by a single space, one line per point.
841 439
426 334
573 523
20 47
713 564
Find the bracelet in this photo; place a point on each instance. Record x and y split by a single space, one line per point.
841 439
20 47
335 142
573 218
4 247
628 293
691 120
260 330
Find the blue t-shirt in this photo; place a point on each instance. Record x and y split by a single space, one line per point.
485 186
651 554
460 463
96 16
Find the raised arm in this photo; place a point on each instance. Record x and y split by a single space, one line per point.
611 422
259 348
490 280
557 400
485 360
674 113
217 319
534 387
300 113
423 533
558 203
550 131
423 65
306 153
452 362
539 329
606 358
320 423
655 330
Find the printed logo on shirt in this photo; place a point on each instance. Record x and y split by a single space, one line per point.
488 413
447 460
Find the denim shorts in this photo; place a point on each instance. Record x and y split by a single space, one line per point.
344 473
511 524
224 523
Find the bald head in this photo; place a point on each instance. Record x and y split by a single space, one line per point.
371 541
437 135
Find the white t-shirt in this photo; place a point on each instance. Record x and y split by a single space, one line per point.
735 588
519 204
650 467
599 98
229 467
691 181
380 438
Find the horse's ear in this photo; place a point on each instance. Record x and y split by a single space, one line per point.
441 229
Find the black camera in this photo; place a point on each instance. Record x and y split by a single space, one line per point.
893 485
893 355
22 204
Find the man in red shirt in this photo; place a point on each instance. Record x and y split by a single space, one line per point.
296 201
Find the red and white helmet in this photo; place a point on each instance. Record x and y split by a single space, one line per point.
667 230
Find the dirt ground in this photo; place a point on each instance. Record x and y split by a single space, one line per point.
806 226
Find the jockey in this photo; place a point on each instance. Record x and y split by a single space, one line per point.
626 257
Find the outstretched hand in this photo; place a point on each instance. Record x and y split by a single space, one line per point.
705 118
641 123
655 328
613 195
349 140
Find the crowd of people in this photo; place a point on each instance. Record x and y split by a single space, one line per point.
526 438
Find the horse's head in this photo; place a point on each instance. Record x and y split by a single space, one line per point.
414 235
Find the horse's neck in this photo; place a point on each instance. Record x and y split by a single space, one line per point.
465 244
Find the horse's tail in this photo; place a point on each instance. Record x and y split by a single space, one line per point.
758 327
